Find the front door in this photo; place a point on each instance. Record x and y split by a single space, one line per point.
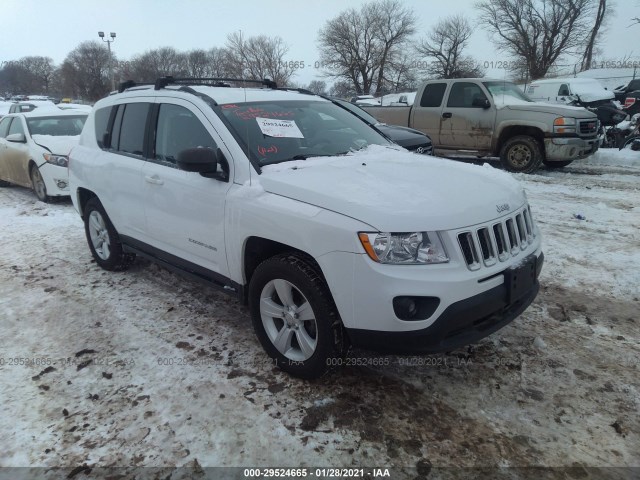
466 123
184 210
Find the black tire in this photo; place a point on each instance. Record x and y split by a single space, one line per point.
307 285
628 141
38 185
521 154
113 257
4 184
549 164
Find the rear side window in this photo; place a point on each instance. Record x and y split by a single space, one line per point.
463 94
177 130
433 94
132 128
4 126
101 123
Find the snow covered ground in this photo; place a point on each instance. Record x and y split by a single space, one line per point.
145 369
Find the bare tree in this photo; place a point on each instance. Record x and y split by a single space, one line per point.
342 89
445 45
218 61
259 57
587 57
357 45
536 32
85 71
319 87
401 74
156 63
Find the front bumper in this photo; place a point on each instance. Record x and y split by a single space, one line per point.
462 323
56 179
561 149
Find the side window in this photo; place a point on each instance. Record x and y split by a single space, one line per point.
4 126
433 94
101 122
134 121
463 94
177 130
16 127
564 90
117 124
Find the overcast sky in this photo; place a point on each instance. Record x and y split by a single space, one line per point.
54 28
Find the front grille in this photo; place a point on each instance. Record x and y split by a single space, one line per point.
488 244
588 127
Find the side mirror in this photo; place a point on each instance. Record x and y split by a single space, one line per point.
481 102
203 161
17 138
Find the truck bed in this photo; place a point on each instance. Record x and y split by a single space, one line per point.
391 115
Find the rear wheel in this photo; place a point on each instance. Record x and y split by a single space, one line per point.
38 184
103 239
549 164
294 316
521 154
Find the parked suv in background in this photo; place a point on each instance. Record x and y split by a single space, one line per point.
367 245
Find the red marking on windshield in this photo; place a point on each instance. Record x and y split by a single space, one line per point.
230 105
264 150
251 112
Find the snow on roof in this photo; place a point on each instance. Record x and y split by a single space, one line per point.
54 112
224 95
610 77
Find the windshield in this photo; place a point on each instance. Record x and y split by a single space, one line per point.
56 126
357 111
279 131
502 90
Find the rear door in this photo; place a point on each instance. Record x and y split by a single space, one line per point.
121 166
427 111
466 124
185 210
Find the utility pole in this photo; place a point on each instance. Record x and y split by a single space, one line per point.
113 39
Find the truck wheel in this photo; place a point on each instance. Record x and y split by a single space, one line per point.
294 316
631 143
103 239
521 154
549 164
4 184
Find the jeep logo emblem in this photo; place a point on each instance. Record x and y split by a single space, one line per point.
503 208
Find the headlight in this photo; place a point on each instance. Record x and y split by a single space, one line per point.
59 160
564 125
417 248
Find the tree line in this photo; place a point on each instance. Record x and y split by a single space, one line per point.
374 49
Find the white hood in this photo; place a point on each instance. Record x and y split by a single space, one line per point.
397 191
59 145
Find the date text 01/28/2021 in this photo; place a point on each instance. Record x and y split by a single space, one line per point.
343 473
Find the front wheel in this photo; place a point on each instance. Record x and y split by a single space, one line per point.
294 316
550 164
631 143
38 184
103 239
521 154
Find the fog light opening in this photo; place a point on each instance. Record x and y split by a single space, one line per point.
415 308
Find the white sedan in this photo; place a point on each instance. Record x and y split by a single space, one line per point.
34 150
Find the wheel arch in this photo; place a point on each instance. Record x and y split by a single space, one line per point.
258 249
515 130
83 195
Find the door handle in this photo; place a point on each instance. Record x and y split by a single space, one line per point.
447 115
154 179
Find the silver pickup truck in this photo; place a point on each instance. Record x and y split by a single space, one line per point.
482 117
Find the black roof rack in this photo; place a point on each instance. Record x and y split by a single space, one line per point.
162 82
130 84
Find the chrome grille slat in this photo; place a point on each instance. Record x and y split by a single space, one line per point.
498 241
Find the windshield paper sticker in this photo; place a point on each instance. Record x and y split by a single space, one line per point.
279 128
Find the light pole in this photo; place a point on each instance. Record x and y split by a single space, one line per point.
113 39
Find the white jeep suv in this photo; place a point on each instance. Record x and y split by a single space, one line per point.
334 236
